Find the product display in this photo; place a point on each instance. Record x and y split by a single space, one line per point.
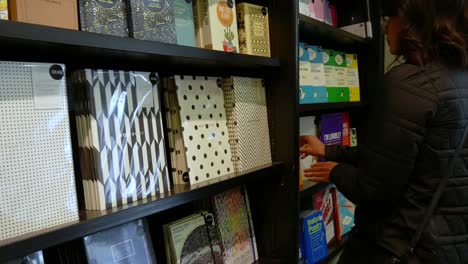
323 201
128 243
153 20
235 226
104 17
180 170
184 20
57 13
204 124
313 242
338 91
190 240
247 120
317 91
307 127
4 9
37 176
120 135
220 25
352 77
331 129
254 30
344 214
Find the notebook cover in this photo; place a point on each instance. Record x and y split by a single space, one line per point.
57 13
4 9
254 30
34 113
247 116
313 237
316 92
104 17
153 20
129 243
204 127
184 21
346 211
319 6
220 25
352 77
323 201
190 241
331 129
126 152
235 227
335 76
346 132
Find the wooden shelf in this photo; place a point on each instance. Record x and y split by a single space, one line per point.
312 109
310 28
28 42
94 221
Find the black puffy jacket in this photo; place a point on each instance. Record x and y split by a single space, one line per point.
392 178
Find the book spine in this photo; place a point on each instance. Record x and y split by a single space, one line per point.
205 11
244 45
338 226
198 22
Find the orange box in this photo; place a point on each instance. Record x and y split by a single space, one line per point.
54 13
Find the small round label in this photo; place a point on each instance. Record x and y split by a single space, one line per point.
56 72
107 3
154 5
326 57
312 54
230 3
154 79
339 59
264 11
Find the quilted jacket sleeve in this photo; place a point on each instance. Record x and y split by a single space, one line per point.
387 160
342 154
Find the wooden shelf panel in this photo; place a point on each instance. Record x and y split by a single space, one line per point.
313 109
310 28
94 221
28 42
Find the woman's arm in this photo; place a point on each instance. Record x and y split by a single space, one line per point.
342 154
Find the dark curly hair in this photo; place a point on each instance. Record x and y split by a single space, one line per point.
433 31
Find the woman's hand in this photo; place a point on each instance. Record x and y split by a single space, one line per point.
320 172
311 146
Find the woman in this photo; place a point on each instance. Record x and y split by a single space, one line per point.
421 120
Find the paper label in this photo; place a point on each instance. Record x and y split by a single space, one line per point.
47 86
122 250
258 29
144 90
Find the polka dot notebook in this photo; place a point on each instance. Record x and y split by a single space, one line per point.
205 131
36 164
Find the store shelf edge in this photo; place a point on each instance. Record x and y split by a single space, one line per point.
311 109
95 221
40 43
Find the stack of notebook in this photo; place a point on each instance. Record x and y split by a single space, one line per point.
120 135
36 163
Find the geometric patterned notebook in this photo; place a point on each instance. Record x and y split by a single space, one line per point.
246 110
235 226
36 165
121 137
204 127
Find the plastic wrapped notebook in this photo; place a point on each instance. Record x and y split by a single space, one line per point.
153 20
36 165
193 239
104 17
235 226
120 136
129 243
204 126
246 110
34 258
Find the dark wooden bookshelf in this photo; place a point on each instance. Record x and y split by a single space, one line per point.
49 44
94 221
311 109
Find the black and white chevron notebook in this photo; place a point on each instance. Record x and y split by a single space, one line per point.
121 138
